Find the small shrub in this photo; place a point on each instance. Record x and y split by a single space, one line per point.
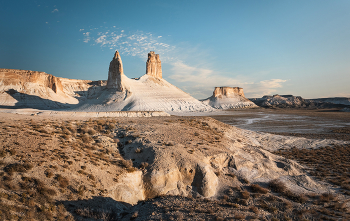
81 190
48 173
258 189
245 194
126 163
231 175
326 197
2 153
91 131
277 186
111 126
134 215
18 167
143 165
12 152
254 209
138 150
86 139
239 216
63 181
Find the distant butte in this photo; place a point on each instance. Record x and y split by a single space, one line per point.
228 98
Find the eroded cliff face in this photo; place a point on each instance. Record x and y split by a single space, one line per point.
154 65
228 91
115 73
22 77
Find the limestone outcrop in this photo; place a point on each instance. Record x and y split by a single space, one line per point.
228 91
154 65
228 98
22 77
115 73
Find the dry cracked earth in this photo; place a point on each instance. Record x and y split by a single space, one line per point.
62 169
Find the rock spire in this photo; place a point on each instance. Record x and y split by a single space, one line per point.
154 65
115 73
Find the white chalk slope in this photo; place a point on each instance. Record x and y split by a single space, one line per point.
232 101
143 94
28 89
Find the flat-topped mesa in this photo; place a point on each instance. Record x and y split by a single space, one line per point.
228 91
115 73
154 65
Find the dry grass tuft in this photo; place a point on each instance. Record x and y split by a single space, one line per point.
277 186
258 189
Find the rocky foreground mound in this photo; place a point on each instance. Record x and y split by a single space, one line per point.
290 101
228 98
60 169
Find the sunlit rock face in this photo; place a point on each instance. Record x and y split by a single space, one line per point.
228 91
115 73
154 65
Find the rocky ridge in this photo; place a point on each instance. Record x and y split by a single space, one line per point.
290 101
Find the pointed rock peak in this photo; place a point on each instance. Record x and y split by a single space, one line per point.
116 55
154 65
115 72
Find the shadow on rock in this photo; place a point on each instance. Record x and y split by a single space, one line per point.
97 208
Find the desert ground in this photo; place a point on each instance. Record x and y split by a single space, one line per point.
271 164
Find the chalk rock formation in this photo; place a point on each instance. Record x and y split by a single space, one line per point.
13 77
115 73
228 98
220 92
148 93
129 188
154 65
33 89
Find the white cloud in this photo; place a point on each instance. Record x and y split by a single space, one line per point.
47 22
82 29
200 82
86 37
55 10
160 36
135 44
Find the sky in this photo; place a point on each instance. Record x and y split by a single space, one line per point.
298 47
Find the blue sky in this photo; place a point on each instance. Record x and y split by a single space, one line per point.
298 47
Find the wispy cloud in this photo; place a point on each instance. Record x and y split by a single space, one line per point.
55 10
136 43
86 37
